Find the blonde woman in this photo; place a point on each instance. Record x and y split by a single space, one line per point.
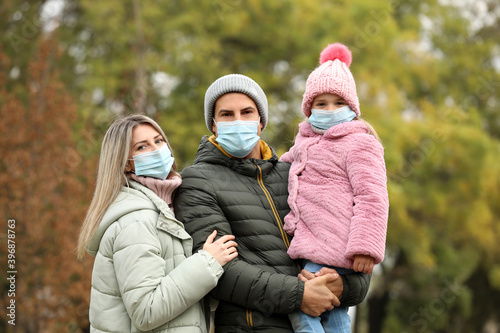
145 277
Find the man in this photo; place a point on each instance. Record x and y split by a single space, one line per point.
238 186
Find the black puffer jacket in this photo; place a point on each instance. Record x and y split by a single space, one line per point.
248 198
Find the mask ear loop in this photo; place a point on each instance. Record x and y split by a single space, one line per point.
131 170
213 119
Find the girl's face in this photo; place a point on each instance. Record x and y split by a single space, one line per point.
145 138
328 102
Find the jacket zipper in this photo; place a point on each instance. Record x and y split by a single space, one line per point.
273 207
249 318
280 225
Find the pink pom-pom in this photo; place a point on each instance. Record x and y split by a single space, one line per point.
336 51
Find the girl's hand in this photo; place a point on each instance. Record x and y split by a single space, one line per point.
363 263
223 249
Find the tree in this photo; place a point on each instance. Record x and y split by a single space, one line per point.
189 44
43 179
443 207
444 177
427 77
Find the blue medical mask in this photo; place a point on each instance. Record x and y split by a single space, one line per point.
156 163
324 119
238 137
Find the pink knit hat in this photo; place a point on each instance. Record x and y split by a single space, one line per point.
332 76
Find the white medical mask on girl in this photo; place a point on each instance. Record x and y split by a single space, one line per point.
324 119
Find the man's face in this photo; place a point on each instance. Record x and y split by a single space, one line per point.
235 106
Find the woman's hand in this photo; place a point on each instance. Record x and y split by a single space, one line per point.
223 249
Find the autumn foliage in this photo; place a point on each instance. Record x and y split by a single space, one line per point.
428 80
42 179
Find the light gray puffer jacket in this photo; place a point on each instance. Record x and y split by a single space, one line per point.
145 278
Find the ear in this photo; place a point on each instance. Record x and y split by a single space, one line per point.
128 167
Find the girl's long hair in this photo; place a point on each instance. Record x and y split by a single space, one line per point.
111 175
370 128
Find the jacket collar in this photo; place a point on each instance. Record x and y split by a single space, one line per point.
265 150
166 220
336 131
131 199
210 152
160 204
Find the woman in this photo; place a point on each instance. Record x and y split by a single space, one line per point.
145 276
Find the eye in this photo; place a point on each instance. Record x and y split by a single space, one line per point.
141 147
341 103
159 141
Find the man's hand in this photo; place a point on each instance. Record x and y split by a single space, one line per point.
336 285
363 263
317 296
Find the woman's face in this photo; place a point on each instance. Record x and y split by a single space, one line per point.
145 138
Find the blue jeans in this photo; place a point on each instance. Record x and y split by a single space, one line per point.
334 321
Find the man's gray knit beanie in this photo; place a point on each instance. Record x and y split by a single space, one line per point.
235 83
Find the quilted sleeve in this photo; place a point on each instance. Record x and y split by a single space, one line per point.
152 296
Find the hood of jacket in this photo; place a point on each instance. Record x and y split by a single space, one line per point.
130 199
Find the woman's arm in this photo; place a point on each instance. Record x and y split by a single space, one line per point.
151 295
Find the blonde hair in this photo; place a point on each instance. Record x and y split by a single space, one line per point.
115 151
370 128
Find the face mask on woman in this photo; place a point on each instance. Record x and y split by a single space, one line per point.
324 119
238 137
156 163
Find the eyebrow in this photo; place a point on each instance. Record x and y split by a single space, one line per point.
145 141
223 110
324 100
244 109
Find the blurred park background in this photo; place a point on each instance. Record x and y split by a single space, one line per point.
428 79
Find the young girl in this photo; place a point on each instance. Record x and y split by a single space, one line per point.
145 277
337 184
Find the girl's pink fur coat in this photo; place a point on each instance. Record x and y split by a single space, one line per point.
337 195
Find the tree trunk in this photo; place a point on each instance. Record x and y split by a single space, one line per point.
377 311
